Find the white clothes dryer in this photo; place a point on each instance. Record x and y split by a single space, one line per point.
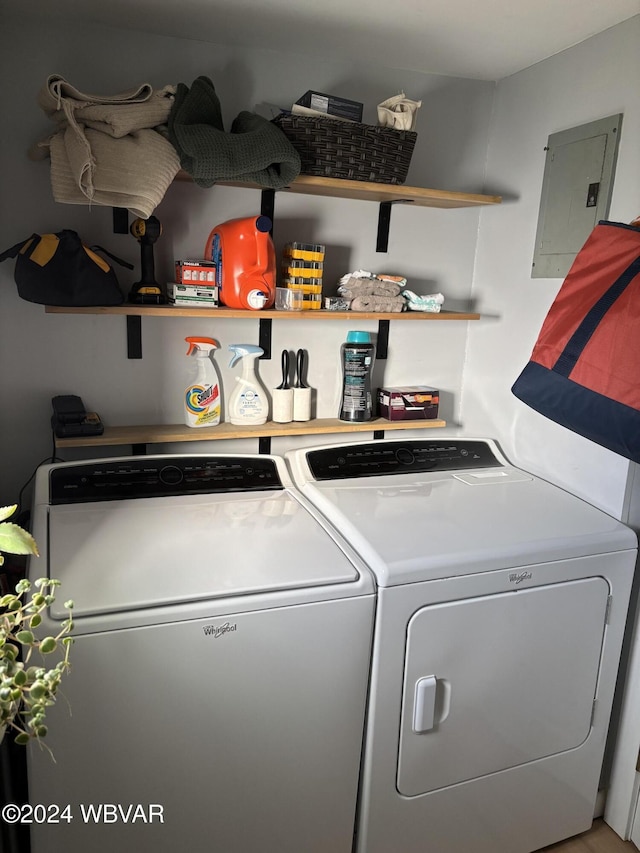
219 674
502 601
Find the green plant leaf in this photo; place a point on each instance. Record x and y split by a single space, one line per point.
20 678
25 637
48 645
15 540
10 651
38 690
7 511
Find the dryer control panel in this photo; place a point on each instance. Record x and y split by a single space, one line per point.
375 459
149 477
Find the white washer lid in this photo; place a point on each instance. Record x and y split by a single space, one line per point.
124 555
418 527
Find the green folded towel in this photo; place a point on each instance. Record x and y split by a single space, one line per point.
255 151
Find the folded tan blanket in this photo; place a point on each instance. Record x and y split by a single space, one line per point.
109 149
117 115
133 172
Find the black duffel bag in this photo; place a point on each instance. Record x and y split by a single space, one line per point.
58 269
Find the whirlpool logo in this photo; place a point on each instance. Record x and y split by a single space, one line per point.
518 577
217 631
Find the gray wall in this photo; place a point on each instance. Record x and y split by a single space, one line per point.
595 79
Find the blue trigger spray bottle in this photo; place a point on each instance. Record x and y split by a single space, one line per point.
248 403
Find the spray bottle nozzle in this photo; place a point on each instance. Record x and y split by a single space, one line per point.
197 344
241 350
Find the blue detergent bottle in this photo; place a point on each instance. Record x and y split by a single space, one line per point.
358 355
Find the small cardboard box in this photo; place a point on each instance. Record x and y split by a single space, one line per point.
205 295
191 272
410 403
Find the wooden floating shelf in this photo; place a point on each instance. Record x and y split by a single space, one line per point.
271 314
365 191
164 433
384 194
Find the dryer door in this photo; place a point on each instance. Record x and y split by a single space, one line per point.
499 680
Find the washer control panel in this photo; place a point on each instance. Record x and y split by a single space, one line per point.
375 459
155 477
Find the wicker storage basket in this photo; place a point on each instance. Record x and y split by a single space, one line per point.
356 152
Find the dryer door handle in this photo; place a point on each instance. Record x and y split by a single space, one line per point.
424 705
431 703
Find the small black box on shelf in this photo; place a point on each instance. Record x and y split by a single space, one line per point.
331 105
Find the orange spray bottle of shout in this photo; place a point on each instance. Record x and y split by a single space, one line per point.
202 397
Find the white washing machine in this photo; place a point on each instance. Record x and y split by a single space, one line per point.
501 606
220 667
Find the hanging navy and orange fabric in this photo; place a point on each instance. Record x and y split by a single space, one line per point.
584 371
